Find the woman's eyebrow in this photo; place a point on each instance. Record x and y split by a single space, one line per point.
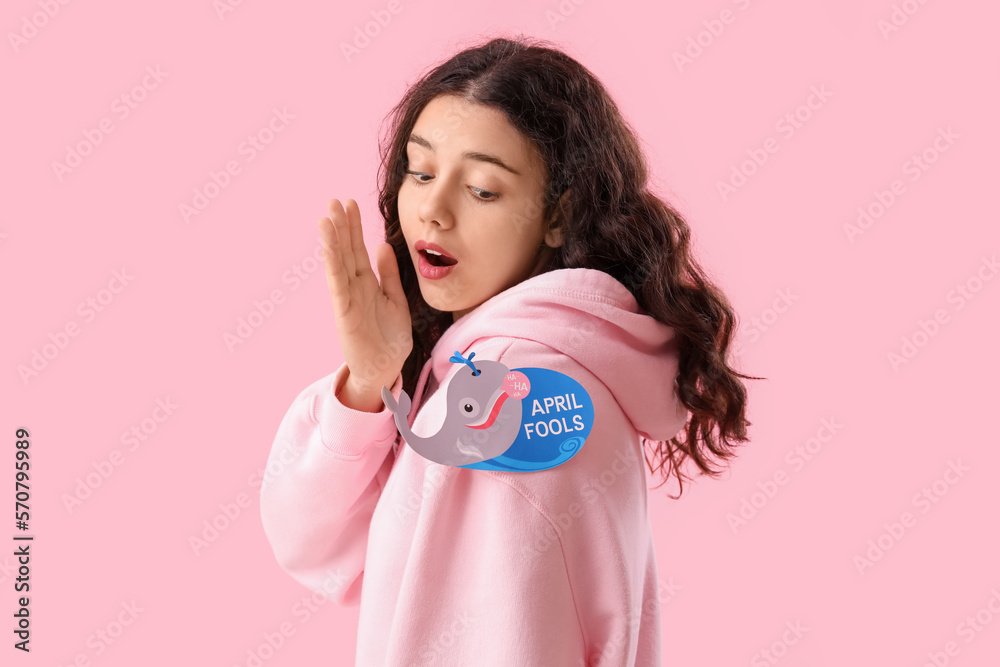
468 155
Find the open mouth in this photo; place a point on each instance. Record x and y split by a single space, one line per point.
437 259
497 401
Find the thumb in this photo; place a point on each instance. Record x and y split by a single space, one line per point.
388 273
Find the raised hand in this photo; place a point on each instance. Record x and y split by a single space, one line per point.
372 319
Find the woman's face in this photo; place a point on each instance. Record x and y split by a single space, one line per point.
474 187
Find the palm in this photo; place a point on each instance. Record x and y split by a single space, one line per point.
373 321
369 314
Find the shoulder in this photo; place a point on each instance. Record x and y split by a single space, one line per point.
608 471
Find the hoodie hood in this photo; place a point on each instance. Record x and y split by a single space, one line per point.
593 319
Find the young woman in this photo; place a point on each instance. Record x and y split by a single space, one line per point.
519 231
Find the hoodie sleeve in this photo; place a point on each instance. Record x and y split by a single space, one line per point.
323 478
567 549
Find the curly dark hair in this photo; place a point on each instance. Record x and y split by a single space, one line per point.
612 223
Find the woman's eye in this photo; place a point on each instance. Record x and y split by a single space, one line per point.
483 196
416 175
479 195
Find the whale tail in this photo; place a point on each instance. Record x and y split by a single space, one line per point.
401 408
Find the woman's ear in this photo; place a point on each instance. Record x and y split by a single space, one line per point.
557 223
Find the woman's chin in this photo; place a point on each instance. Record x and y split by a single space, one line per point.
437 298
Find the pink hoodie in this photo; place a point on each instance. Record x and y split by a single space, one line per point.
456 566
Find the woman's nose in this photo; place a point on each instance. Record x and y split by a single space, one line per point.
436 204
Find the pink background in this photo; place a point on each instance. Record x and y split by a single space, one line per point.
162 337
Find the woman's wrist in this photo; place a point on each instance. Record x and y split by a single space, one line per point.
364 399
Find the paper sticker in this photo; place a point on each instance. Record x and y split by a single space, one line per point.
499 418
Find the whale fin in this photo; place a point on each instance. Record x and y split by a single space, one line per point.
469 450
402 408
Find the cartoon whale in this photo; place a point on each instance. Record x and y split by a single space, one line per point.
482 420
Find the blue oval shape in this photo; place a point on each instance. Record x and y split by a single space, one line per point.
556 418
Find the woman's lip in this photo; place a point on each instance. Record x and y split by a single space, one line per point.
445 260
424 245
428 270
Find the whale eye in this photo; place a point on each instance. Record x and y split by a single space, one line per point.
469 407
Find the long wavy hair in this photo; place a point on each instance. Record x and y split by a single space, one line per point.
610 220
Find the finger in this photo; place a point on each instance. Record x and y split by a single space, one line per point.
339 217
336 275
388 271
361 261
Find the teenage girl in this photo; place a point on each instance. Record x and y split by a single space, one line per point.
519 230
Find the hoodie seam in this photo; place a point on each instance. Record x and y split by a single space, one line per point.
625 301
313 410
515 339
538 507
593 375
587 294
492 339
512 483
582 294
